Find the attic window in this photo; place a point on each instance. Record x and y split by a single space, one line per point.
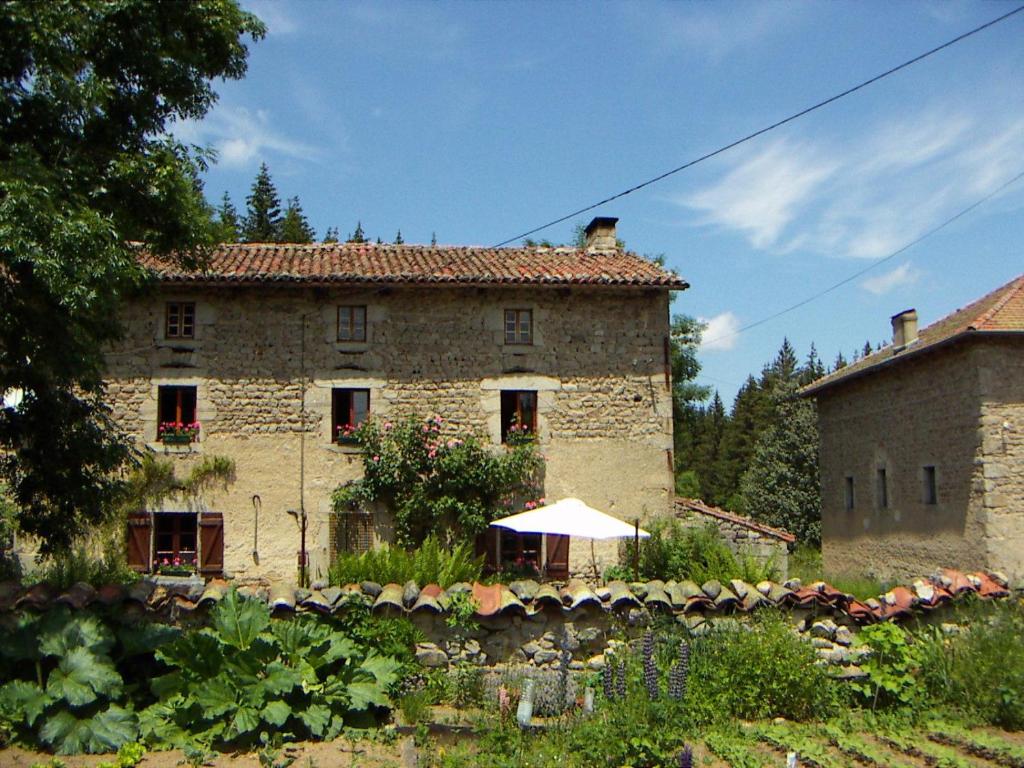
180 320
351 323
519 326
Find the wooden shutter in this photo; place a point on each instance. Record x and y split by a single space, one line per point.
139 541
557 556
211 544
487 545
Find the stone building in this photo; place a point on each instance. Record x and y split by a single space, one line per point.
922 446
274 348
743 535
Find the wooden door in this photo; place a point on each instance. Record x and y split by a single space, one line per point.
557 556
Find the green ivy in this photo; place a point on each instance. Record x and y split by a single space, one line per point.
432 480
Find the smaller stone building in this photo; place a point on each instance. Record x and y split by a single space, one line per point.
741 534
922 446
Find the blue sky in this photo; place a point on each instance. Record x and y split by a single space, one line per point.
479 121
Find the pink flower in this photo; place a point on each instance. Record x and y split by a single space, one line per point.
376 458
387 425
431 453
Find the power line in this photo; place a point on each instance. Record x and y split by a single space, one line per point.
771 127
873 264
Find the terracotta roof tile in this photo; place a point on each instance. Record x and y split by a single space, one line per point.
361 263
1001 311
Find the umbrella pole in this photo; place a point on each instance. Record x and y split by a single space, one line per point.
636 549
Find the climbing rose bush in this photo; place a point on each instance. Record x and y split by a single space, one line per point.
435 479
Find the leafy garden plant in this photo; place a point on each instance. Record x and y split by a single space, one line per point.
430 563
890 666
435 480
245 675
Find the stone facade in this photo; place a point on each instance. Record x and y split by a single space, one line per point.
264 361
958 409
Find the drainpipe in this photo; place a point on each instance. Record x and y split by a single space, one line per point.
257 502
301 515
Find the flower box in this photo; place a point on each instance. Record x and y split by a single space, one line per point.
176 439
347 440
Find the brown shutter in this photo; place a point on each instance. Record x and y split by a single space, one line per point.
139 541
211 544
487 545
558 556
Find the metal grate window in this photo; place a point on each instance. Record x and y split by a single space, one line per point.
351 532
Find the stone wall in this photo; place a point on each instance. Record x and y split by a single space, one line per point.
264 362
945 409
744 540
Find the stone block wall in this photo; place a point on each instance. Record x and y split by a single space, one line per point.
945 409
264 362
743 540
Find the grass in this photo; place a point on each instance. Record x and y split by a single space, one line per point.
805 564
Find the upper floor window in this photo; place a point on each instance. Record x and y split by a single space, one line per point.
180 320
349 409
176 414
351 323
518 412
930 489
519 326
848 493
882 489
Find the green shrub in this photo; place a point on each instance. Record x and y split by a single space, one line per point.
432 563
64 570
890 666
760 671
980 672
674 551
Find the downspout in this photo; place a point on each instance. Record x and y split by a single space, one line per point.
257 502
302 454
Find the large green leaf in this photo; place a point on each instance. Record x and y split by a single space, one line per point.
300 635
276 713
199 654
216 696
246 720
239 621
62 635
19 640
145 637
316 717
281 679
383 668
82 677
363 694
166 686
19 698
158 726
104 732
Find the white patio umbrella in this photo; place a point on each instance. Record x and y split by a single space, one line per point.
570 517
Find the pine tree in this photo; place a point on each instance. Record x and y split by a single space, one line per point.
708 451
867 349
227 221
331 235
433 238
398 238
358 236
263 211
295 226
840 362
780 487
813 369
751 413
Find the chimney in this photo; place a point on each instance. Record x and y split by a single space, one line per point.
600 234
904 329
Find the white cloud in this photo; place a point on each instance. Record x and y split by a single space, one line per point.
864 196
240 136
721 332
274 16
904 274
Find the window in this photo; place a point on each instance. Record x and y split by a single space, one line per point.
176 414
882 489
930 489
175 536
518 413
349 409
350 532
520 550
180 321
519 326
848 493
351 323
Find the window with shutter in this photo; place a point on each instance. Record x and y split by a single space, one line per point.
211 544
139 542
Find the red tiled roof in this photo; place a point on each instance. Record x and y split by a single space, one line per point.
696 505
1001 311
358 263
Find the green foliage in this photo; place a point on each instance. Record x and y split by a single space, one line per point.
244 675
674 551
780 486
228 224
890 666
979 672
295 226
90 171
431 563
762 672
435 483
460 612
72 704
262 222
65 569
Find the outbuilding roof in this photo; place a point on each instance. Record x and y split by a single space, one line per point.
363 263
688 506
1001 311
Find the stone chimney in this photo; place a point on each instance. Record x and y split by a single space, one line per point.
600 234
904 329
